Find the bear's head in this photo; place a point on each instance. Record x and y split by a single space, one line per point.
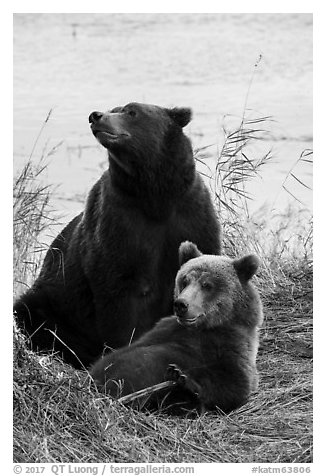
142 135
212 291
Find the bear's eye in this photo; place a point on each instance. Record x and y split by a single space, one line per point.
207 285
183 282
131 112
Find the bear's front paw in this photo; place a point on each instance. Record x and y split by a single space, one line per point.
174 373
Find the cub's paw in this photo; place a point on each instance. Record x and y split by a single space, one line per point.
174 373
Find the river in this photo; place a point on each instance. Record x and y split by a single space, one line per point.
76 63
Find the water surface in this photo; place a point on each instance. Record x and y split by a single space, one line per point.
77 63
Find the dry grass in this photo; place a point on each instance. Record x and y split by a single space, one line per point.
31 203
60 417
32 215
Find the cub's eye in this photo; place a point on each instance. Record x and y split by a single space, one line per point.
183 283
207 285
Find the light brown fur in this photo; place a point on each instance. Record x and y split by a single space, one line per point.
209 347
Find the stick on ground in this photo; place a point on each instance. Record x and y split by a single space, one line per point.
146 391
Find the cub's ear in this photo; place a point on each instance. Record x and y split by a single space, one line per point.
246 267
187 251
180 115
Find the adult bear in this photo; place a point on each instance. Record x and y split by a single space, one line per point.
109 275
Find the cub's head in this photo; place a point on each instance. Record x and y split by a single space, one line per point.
212 291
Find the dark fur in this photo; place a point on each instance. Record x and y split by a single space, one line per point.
212 353
109 275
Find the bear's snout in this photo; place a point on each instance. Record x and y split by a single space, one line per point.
180 307
94 117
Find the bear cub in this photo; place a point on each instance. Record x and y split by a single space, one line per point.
208 347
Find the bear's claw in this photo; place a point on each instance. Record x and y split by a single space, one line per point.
174 373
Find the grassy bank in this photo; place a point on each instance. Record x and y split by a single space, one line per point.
60 417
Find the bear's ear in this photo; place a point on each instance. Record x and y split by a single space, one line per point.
187 251
246 267
180 115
